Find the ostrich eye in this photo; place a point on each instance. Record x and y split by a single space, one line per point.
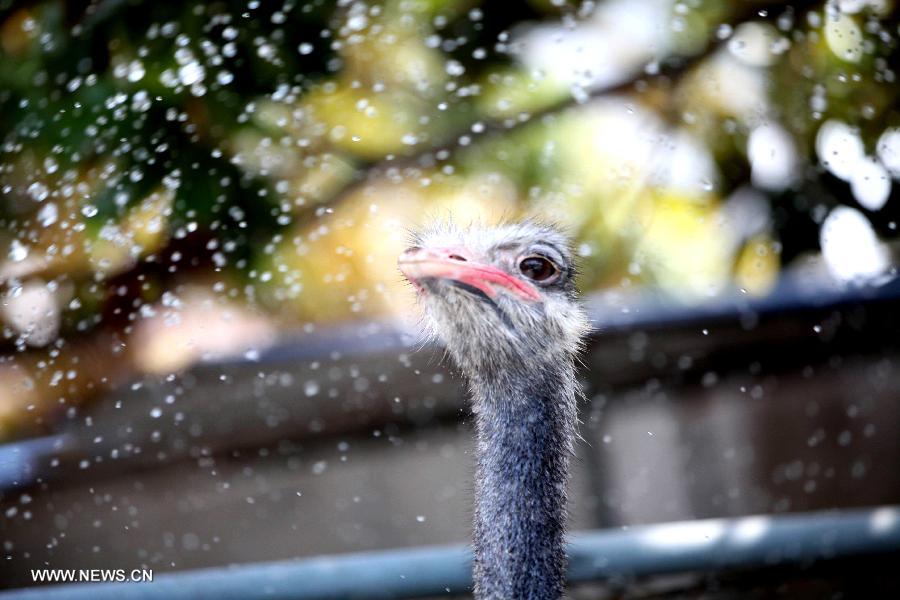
538 268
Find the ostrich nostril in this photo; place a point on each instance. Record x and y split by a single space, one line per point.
457 257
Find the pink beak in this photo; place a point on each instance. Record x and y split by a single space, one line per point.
451 263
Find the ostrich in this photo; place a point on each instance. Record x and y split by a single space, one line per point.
503 302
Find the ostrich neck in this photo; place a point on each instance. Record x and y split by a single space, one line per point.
525 431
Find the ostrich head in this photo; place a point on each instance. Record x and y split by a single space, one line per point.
501 299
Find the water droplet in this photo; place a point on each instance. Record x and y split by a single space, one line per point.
17 251
48 214
454 68
38 191
311 387
136 71
191 73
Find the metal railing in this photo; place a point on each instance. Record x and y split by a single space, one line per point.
689 546
600 555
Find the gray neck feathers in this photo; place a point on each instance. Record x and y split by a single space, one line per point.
525 431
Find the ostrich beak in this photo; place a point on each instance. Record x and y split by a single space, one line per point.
451 264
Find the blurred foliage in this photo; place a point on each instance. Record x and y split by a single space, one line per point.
274 154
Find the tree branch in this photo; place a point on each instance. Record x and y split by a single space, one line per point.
671 70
